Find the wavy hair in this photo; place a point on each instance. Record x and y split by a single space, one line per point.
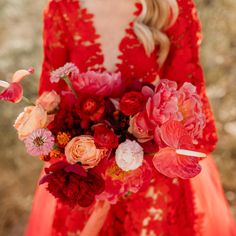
150 26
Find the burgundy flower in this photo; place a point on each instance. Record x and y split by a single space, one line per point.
104 137
91 108
72 185
132 103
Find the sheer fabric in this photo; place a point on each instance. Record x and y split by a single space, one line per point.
167 206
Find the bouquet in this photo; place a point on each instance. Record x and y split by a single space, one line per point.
104 139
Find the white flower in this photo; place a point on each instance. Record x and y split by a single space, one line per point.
129 155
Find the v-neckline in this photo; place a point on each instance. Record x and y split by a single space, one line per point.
118 59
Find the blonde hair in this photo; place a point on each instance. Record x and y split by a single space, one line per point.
156 17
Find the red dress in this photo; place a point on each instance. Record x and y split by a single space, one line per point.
170 206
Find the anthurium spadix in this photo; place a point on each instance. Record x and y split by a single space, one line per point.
13 91
176 159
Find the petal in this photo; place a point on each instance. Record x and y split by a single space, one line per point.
166 163
188 166
13 93
172 165
147 91
174 134
4 84
21 74
77 169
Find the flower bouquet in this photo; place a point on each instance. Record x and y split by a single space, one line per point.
104 139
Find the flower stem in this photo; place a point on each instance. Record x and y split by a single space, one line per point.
70 86
26 100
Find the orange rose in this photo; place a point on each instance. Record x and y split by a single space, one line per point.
33 117
49 100
83 149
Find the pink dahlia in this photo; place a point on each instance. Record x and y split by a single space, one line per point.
39 142
118 183
66 70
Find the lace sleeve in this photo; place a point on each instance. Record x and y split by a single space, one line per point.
183 65
54 44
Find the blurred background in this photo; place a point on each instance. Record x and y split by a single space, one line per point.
21 47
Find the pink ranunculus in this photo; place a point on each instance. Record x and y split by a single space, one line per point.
49 101
139 128
13 92
83 149
129 155
98 84
33 117
190 106
177 159
163 105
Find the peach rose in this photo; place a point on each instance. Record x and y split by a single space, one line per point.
49 101
33 117
139 132
83 149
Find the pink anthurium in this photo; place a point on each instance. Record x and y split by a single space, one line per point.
13 91
177 160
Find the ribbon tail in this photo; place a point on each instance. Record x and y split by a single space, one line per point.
97 219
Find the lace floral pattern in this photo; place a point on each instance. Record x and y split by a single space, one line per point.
167 206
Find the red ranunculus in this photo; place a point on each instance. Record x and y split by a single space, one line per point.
104 137
91 108
72 185
132 103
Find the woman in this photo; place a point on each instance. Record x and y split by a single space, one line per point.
147 40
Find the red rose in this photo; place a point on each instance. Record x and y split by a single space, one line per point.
132 103
72 185
91 108
105 137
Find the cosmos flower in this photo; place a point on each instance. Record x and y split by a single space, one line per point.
40 142
66 70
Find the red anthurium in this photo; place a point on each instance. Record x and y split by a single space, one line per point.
177 160
13 92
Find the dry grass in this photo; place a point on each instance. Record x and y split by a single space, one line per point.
20 40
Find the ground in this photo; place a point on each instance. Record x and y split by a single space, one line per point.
20 40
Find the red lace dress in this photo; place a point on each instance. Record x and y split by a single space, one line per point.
170 206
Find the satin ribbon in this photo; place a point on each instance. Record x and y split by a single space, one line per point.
97 219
